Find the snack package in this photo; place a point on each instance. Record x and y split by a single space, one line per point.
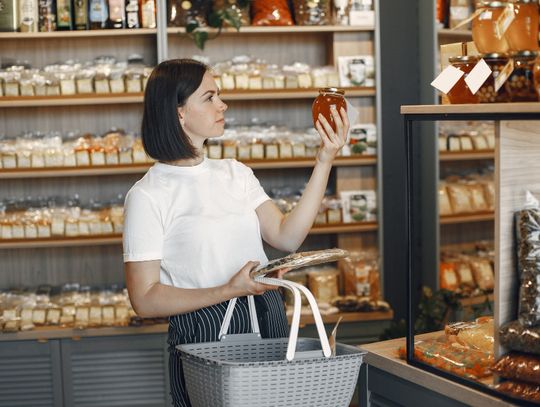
465 275
358 273
483 273
448 277
528 256
460 198
519 366
515 336
522 390
444 202
453 357
270 12
478 334
324 284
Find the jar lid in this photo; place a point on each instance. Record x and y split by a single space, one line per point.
332 90
524 1
463 58
495 55
494 4
524 54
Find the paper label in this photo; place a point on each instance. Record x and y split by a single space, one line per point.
447 79
363 18
476 78
504 74
504 20
477 13
485 15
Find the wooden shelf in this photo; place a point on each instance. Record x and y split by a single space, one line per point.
465 156
78 34
126 98
478 300
472 109
295 29
46 333
117 239
21 173
446 36
467 218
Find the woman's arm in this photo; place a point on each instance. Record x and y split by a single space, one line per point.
288 232
151 299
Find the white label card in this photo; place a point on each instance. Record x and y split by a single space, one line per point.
447 79
504 74
504 20
478 76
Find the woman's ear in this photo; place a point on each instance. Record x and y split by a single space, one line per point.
181 115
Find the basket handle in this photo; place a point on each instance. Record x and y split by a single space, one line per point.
295 325
229 313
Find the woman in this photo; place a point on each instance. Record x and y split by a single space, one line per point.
194 226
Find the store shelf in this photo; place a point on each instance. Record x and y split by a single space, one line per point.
467 218
473 109
53 172
447 36
295 29
478 300
126 98
466 156
117 239
78 34
46 333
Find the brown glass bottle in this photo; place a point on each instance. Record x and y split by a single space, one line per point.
64 15
80 12
117 14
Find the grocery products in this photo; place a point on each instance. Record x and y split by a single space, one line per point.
522 33
526 391
485 32
515 336
461 93
520 84
493 89
360 274
323 283
528 257
308 12
519 366
448 277
270 12
329 99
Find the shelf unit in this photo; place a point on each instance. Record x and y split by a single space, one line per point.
467 156
467 218
78 34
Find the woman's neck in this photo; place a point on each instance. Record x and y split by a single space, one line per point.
189 162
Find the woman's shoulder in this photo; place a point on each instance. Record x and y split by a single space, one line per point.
148 186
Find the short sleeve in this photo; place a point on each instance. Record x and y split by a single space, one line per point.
255 192
143 227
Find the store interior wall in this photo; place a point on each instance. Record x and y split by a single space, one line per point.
407 55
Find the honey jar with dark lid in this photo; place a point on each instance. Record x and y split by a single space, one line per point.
328 97
461 93
488 92
520 84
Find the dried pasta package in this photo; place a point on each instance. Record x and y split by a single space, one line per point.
460 198
448 277
515 336
324 284
465 275
522 390
444 202
528 253
478 199
483 273
270 12
519 366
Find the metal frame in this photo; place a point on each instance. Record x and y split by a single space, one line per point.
412 233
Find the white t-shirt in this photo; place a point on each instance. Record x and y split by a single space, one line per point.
199 221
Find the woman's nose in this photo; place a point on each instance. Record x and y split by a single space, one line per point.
223 107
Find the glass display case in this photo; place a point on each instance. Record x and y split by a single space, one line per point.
478 351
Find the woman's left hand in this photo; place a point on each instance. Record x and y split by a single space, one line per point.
332 141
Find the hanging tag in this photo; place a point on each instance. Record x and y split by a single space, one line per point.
478 76
504 74
504 21
447 79
469 19
486 15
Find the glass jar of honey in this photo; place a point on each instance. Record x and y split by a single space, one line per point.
520 84
537 76
522 34
461 93
484 28
328 97
488 92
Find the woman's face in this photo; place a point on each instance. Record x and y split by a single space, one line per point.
202 116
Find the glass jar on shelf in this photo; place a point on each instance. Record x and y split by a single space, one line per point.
484 28
492 91
461 93
522 33
312 12
520 85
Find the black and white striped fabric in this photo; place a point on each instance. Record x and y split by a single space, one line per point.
204 325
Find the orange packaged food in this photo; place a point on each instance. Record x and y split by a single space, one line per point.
519 366
448 276
270 12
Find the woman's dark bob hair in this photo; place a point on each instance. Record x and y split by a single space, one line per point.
169 86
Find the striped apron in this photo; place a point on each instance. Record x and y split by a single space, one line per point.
203 326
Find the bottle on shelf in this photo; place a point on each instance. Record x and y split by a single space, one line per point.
47 15
98 14
80 11
117 14
9 15
28 15
147 10
132 14
64 15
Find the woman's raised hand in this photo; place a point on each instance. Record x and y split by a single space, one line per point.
332 141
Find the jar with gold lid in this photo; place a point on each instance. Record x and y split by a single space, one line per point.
484 28
520 84
488 92
522 33
328 98
461 93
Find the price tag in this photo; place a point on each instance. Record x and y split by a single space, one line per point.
362 17
478 76
504 74
504 20
447 79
